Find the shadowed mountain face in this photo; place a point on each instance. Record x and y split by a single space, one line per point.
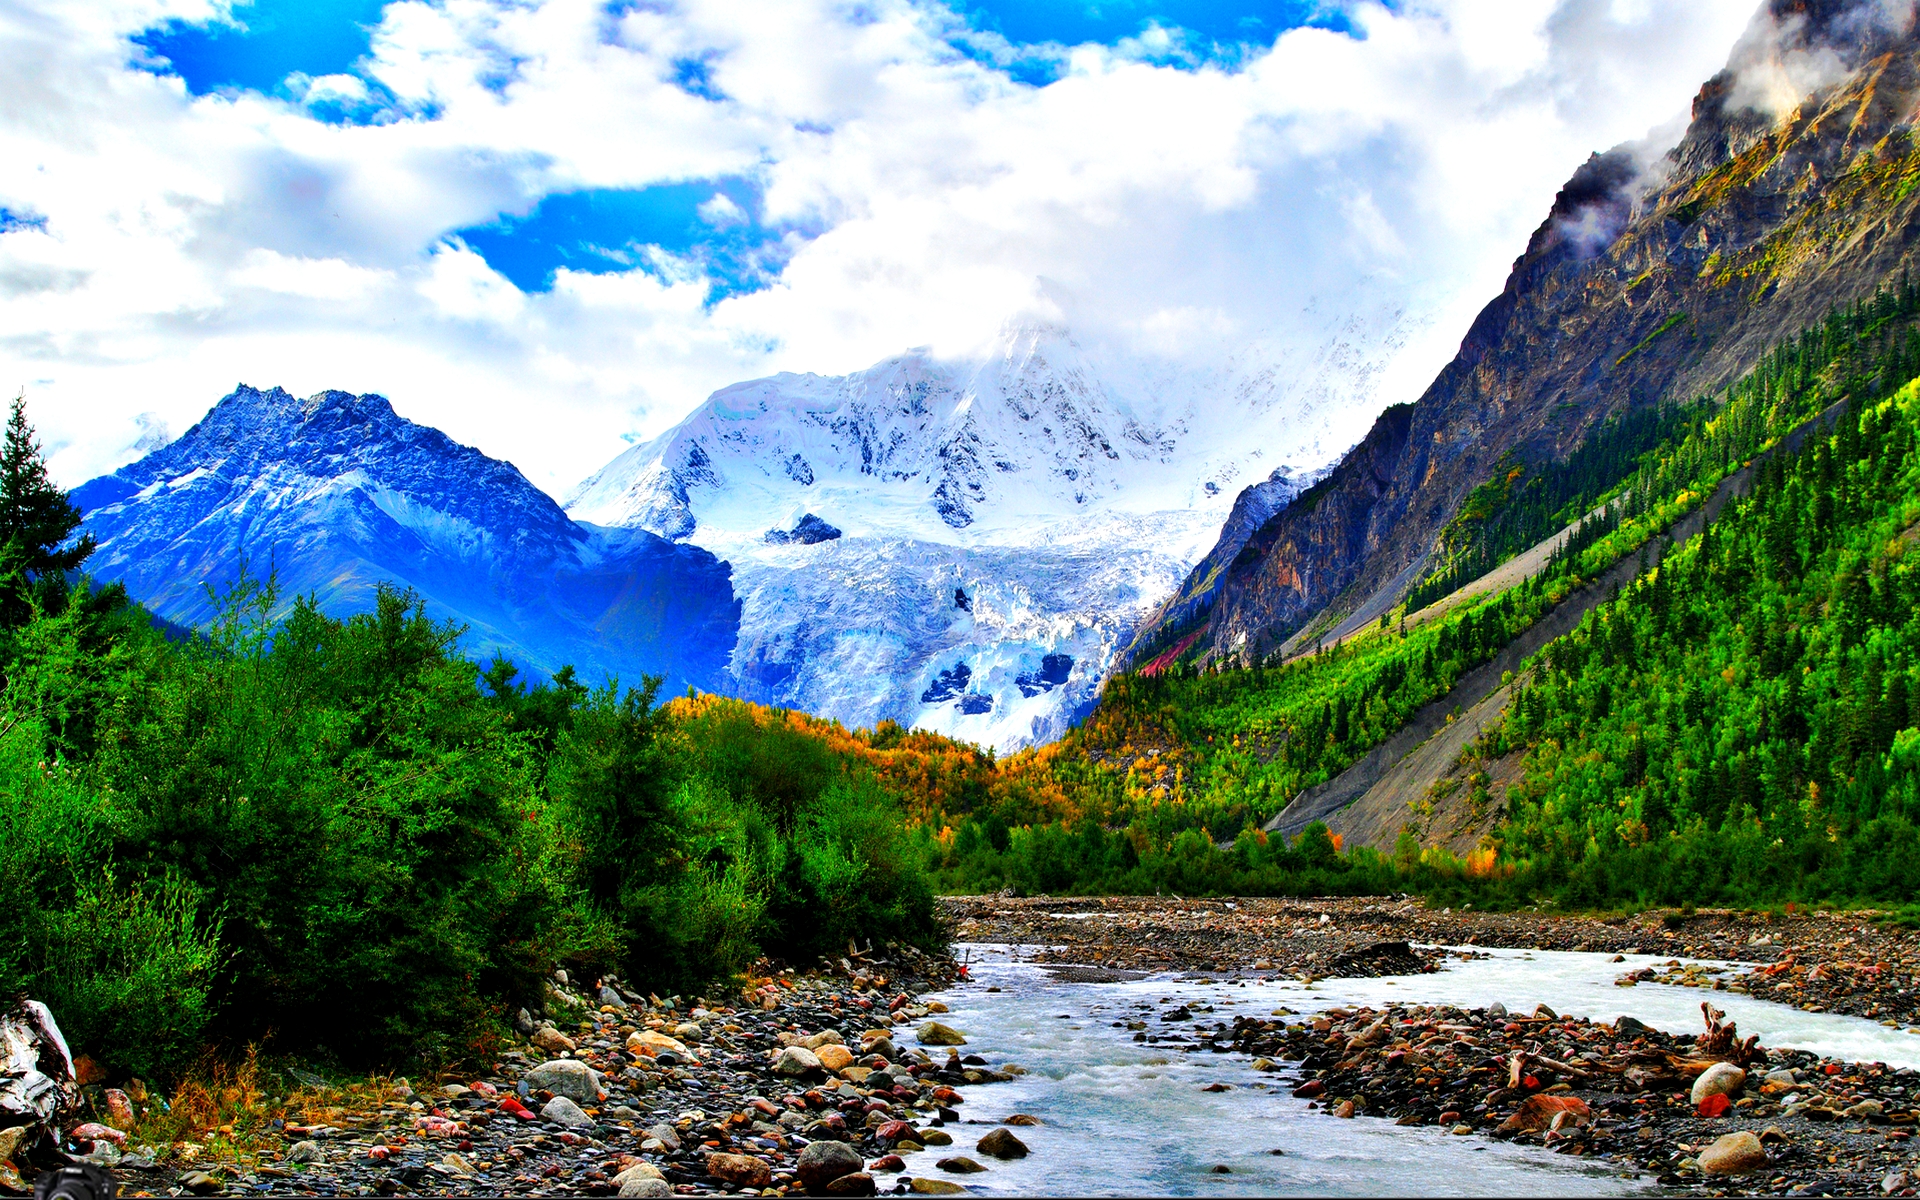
1653 277
337 493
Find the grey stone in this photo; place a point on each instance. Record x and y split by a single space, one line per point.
562 1111
665 1134
304 1152
1720 1079
823 1162
567 1077
796 1061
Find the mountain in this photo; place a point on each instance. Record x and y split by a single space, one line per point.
968 544
1654 278
337 493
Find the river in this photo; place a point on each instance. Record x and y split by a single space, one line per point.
1125 1118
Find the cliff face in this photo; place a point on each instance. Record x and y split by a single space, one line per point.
1795 188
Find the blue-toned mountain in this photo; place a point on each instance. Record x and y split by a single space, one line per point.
337 493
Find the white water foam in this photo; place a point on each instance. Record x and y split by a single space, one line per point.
1126 1118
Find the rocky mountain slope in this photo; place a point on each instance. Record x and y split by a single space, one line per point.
968 544
1792 191
337 493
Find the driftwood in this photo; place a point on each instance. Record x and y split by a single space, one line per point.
1722 1043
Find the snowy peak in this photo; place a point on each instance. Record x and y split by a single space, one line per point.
914 445
338 493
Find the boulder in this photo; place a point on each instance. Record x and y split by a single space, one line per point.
834 1057
1733 1154
933 1033
646 1185
936 1187
823 1162
1536 1113
665 1134
562 1111
304 1152
826 1037
1720 1079
857 1184
884 1047
959 1166
740 1170
1021 1119
638 1171
796 1061
1001 1144
567 1077
552 1040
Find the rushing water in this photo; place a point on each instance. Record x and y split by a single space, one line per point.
1121 1117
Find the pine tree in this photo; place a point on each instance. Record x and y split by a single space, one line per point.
35 516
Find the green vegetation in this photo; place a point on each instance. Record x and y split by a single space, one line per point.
326 833
1189 756
1741 724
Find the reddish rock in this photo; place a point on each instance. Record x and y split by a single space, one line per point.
739 1170
859 1183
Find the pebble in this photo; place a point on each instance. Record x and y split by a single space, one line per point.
1733 1154
562 1111
823 1162
933 1033
1720 1079
959 1165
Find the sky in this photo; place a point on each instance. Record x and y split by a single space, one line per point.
552 227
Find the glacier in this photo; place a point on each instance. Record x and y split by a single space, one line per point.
967 544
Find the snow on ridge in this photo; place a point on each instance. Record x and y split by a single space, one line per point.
1062 495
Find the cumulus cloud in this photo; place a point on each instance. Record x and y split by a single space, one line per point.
1174 206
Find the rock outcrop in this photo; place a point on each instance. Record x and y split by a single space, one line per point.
1652 278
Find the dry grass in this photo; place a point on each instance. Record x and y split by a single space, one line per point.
223 1111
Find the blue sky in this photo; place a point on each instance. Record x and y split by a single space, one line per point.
609 230
545 226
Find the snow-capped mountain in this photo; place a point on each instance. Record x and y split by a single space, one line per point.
967 544
337 493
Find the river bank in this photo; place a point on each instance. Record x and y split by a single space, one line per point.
1624 1093
833 1080
1825 962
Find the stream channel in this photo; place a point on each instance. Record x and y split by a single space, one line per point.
1126 1118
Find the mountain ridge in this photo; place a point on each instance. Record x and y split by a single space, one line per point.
337 493
1637 287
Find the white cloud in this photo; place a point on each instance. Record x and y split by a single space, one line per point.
192 242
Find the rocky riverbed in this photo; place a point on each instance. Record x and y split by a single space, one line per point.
833 1081
1702 1112
1821 962
813 1082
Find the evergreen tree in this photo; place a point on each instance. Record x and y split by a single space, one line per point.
35 516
